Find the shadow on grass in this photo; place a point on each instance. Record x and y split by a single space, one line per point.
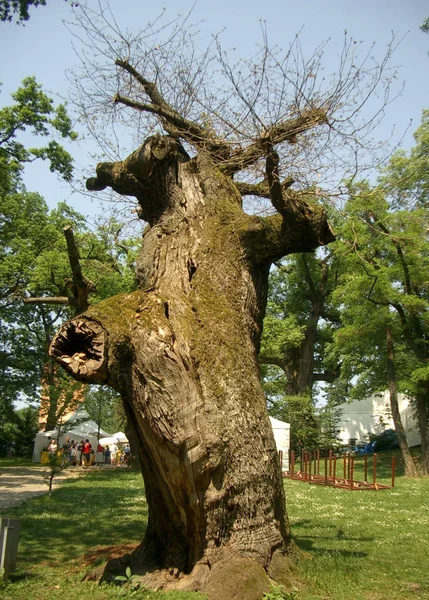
384 463
16 577
100 509
308 543
308 546
16 462
338 535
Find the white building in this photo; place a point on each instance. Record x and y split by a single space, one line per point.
281 433
360 418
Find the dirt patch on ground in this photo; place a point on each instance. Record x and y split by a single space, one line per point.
107 553
18 484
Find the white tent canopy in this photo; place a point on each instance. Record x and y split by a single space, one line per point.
115 439
78 427
281 432
81 427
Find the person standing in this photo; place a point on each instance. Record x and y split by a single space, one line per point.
66 448
80 453
52 448
99 457
86 453
73 453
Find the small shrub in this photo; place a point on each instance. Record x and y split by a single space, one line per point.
278 592
128 581
57 463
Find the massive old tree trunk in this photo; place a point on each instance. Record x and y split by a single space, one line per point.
182 351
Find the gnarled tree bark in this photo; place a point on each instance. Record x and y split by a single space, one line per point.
182 351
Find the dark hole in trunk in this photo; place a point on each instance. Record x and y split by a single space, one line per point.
78 341
192 268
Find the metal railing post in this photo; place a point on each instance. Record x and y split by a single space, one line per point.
9 537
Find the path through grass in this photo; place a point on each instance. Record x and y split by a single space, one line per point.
101 509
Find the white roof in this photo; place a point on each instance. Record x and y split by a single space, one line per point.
276 424
79 425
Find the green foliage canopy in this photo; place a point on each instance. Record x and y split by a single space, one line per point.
18 9
35 113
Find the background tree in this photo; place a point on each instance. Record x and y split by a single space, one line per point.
104 406
26 429
7 423
18 429
25 232
19 9
33 111
384 303
34 254
299 322
182 350
24 227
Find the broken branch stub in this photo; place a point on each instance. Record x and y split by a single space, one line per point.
80 347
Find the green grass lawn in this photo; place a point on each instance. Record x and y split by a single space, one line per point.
60 537
364 545
15 462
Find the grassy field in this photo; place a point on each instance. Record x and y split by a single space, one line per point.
62 535
16 462
365 545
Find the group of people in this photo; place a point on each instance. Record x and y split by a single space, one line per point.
116 456
76 453
79 453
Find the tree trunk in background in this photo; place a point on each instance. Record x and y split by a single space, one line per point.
48 401
410 467
422 398
299 364
182 351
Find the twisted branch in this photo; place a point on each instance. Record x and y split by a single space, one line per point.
173 122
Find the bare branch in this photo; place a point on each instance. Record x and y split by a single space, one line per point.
261 189
79 285
161 81
282 132
173 122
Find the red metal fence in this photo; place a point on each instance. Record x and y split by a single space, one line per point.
335 471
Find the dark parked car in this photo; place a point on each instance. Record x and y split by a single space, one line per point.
388 440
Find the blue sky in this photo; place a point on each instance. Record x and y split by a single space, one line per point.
43 48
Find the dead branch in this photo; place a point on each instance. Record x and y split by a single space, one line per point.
79 285
161 81
282 132
261 189
173 122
